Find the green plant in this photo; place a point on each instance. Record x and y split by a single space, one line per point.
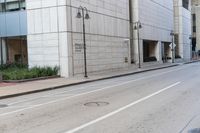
19 72
12 65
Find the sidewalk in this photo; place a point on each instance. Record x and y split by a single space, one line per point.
11 90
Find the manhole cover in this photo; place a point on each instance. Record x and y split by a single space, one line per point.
196 130
3 105
96 104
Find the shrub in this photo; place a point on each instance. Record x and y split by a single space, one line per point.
20 72
13 65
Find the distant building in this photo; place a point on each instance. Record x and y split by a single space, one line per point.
183 31
196 24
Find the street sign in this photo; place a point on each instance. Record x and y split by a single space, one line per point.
78 47
172 46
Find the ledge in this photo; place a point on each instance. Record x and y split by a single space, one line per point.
28 80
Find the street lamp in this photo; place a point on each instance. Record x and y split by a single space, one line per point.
190 37
84 14
172 34
138 26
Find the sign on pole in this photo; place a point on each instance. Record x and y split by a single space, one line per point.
172 46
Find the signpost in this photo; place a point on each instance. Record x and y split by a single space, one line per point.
172 46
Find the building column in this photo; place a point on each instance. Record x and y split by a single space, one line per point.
136 52
159 51
1 51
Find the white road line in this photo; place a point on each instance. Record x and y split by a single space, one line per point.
82 88
89 92
120 110
50 95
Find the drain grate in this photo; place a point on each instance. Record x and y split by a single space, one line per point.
196 130
96 104
3 105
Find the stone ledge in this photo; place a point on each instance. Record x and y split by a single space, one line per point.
28 80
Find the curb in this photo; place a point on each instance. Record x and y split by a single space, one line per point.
83 82
28 80
190 62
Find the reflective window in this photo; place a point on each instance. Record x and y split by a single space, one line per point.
185 4
12 5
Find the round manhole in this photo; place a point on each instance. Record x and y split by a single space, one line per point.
196 130
96 104
3 105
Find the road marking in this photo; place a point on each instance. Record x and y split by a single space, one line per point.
120 110
89 92
85 93
83 88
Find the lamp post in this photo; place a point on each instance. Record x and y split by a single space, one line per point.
83 13
138 26
190 37
172 47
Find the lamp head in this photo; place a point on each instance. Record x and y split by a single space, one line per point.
87 16
135 27
78 14
140 25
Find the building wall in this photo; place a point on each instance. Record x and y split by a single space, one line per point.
157 22
196 11
195 2
55 35
47 34
107 30
183 29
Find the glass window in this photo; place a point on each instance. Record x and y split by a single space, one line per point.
185 4
12 5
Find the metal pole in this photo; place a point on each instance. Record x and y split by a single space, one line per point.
138 34
7 51
21 50
131 31
173 49
84 43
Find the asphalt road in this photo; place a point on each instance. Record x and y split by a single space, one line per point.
161 101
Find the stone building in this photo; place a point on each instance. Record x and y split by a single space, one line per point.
196 25
53 34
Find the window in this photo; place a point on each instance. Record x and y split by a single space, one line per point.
194 17
12 5
185 4
194 29
194 22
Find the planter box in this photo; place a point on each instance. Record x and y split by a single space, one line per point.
28 80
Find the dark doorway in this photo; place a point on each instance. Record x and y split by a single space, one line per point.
149 51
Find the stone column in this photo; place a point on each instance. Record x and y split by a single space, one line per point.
159 51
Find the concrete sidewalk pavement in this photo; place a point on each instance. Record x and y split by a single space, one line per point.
12 90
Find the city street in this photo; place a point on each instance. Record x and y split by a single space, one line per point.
160 101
